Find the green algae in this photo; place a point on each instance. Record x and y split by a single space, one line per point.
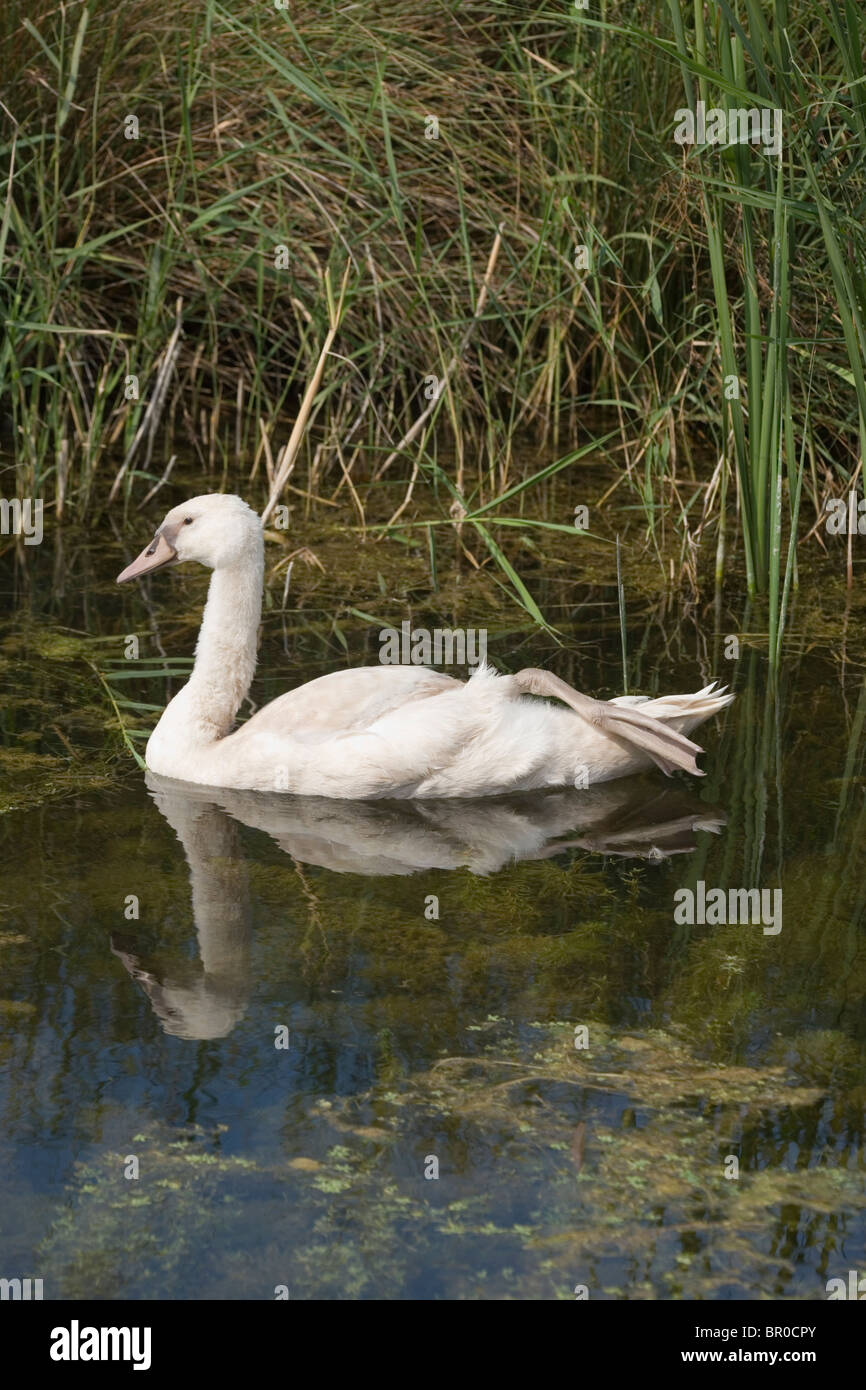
662 1152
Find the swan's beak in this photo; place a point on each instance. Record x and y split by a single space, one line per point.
157 554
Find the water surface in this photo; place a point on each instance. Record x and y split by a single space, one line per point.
434 971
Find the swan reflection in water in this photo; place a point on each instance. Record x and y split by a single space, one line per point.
633 818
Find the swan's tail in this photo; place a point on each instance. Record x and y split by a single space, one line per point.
685 712
659 726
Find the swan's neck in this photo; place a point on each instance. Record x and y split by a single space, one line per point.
225 656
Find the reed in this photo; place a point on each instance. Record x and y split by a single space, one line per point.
169 292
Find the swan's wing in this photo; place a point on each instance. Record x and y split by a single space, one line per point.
345 701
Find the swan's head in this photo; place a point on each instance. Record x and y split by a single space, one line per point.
217 530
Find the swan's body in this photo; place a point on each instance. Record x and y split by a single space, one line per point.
377 731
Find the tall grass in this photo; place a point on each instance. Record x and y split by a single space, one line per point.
147 306
747 60
806 67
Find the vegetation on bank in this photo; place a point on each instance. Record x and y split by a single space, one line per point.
527 253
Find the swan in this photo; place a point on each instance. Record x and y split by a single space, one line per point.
382 731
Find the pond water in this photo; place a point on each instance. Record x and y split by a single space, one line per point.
255 1044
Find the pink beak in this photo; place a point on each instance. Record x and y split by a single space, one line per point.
158 554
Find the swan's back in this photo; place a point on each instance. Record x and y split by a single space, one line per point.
345 701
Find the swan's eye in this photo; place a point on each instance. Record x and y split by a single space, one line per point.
187 521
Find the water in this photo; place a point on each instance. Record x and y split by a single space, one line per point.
431 970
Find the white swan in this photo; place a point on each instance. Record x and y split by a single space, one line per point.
381 731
